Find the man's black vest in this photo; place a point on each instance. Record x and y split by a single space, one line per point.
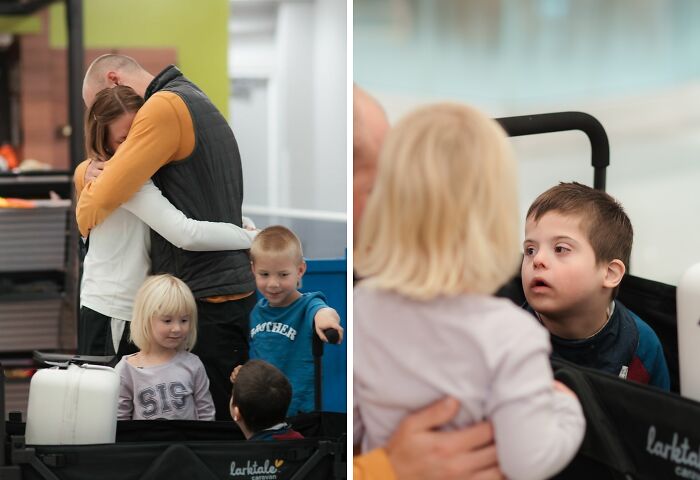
207 185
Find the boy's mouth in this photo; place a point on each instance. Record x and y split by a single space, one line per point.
538 284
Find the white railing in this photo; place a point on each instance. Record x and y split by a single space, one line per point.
295 213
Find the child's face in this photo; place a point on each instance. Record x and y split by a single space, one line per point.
277 278
559 271
118 130
170 331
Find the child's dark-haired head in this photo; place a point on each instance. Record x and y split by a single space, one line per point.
603 220
262 394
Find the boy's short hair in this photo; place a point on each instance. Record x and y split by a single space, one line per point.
275 240
262 394
162 295
603 219
443 216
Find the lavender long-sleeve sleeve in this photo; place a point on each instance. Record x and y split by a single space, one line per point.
484 351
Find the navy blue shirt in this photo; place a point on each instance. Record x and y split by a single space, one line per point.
626 347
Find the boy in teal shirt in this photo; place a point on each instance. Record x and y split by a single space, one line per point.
283 321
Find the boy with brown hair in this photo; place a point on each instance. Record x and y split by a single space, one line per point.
577 248
259 400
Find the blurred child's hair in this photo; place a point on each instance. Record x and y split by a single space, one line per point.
159 296
108 106
276 240
262 394
603 220
442 218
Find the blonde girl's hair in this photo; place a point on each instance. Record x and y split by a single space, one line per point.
276 240
442 218
109 105
159 296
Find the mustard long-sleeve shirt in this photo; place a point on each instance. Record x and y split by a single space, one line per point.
79 178
373 465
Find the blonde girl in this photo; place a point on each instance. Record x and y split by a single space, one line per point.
163 380
438 237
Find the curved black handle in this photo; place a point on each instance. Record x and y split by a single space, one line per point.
317 344
317 350
332 335
561 122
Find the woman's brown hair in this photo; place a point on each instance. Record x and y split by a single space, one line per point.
108 106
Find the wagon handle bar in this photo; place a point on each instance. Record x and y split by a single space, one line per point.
564 121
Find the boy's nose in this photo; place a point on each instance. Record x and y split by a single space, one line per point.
538 260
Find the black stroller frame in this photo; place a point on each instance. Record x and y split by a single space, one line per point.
633 431
173 449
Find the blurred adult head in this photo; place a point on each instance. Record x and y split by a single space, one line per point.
370 126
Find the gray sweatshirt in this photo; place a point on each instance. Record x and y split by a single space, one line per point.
177 390
486 352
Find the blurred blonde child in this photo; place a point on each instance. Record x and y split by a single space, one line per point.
438 237
164 380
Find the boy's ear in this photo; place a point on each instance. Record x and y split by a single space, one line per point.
614 272
302 268
235 413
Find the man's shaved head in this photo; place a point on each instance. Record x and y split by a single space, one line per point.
113 69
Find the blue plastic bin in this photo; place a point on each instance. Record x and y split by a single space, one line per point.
330 277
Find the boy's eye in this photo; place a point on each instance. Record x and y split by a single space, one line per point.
529 251
284 274
561 249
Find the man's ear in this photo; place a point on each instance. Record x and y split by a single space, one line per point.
614 272
112 78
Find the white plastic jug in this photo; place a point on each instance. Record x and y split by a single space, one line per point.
688 306
73 406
